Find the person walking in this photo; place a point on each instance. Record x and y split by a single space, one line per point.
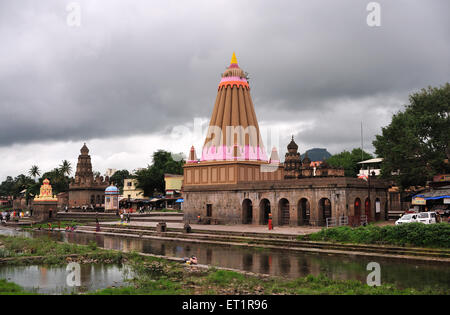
97 225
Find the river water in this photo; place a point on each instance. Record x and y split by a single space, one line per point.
290 264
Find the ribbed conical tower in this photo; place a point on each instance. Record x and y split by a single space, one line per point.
233 132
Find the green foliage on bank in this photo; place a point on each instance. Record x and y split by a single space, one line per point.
151 275
219 282
349 161
11 288
416 144
151 178
411 234
54 225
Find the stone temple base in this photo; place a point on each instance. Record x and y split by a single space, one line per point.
44 210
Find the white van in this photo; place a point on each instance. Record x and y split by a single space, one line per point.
427 217
407 218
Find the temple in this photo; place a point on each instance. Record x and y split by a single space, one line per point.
46 192
85 190
233 132
235 183
45 205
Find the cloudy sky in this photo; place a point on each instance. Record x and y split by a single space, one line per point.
137 76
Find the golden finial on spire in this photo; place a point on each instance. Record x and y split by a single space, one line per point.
234 59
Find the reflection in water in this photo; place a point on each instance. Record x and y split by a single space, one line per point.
265 264
53 280
275 262
247 262
208 256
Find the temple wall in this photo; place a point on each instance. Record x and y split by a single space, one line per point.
227 203
229 173
44 210
82 197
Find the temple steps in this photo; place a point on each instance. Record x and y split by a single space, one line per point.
101 216
275 241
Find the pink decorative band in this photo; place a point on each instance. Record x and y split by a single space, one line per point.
232 153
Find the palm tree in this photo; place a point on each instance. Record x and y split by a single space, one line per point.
34 172
65 168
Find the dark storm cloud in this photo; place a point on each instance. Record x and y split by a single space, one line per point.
142 67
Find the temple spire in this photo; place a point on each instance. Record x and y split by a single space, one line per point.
234 59
233 132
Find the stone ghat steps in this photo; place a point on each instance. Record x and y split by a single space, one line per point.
275 242
91 216
156 219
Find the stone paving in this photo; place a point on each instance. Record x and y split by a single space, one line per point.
244 228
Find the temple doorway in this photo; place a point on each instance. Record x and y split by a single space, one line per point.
264 210
357 214
283 207
324 210
247 211
303 212
367 208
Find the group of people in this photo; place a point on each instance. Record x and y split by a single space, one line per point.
125 217
8 215
71 228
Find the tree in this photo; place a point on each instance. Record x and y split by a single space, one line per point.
118 178
66 167
416 142
7 187
151 179
57 179
349 161
34 172
23 184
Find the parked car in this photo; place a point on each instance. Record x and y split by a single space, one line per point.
407 218
427 217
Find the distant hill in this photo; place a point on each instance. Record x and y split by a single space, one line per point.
317 154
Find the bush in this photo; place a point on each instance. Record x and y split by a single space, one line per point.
411 234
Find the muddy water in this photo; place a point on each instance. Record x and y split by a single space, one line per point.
274 262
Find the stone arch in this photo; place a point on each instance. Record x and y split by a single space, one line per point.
283 210
264 210
324 210
247 211
304 211
357 206
367 206
357 211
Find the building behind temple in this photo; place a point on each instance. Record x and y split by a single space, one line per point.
235 183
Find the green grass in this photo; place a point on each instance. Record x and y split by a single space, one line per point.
52 253
153 276
166 210
229 282
10 288
411 234
54 225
